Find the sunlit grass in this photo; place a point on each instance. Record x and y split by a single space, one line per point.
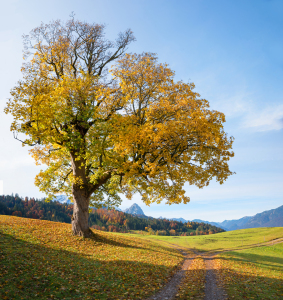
249 271
255 273
42 260
236 239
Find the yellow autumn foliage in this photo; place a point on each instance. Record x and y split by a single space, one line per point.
133 129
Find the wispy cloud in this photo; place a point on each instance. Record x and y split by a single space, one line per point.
270 118
234 106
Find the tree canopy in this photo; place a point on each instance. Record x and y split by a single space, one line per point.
102 132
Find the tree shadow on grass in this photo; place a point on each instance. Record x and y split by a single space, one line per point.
30 271
264 260
222 249
116 242
238 285
241 286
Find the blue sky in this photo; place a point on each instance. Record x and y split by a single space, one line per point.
231 50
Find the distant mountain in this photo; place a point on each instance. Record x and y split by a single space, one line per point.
62 199
211 223
268 218
134 210
235 224
179 220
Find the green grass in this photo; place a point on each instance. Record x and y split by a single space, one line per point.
42 260
249 271
255 273
266 257
236 239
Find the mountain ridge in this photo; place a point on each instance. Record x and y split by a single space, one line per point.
268 218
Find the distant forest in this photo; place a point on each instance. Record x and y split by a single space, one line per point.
101 219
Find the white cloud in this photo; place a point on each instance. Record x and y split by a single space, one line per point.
270 118
234 105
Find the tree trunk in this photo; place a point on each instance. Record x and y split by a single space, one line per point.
81 194
80 214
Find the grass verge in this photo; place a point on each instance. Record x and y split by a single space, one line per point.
255 273
42 260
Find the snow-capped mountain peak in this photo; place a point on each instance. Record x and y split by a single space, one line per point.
62 199
134 210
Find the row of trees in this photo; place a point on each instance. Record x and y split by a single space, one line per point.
100 219
35 209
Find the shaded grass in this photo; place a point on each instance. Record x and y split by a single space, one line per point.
255 273
41 259
236 239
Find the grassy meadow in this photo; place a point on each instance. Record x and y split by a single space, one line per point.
249 271
42 260
237 239
255 273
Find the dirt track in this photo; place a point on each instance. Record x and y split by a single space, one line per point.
171 288
212 289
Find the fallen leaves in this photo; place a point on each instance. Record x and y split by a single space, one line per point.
193 284
42 259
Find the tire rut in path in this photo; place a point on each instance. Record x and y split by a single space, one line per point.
169 291
212 290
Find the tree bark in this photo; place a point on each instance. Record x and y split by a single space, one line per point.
81 197
81 194
80 225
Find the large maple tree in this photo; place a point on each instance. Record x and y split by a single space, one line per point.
103 132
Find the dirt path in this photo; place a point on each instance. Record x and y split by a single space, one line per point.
213 291
169 291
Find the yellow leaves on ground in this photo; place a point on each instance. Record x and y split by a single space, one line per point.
192 286
43 258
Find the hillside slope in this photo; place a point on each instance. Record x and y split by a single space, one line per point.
100 219
236 239
42 260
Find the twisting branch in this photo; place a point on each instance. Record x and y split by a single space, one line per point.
16 138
